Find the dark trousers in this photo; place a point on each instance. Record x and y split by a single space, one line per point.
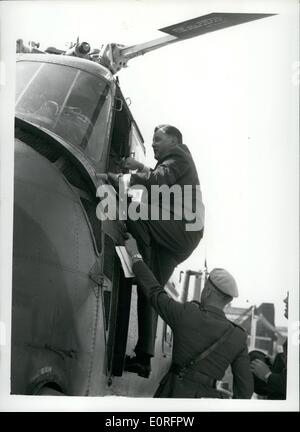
163 244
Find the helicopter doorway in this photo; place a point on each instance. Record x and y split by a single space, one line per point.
119 147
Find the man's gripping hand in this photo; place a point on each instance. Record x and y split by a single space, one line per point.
114 179
131 245
260 369
133 164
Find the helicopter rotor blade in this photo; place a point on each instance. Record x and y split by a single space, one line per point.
209 23
140 49
191 28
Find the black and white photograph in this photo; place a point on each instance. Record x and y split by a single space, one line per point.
149 206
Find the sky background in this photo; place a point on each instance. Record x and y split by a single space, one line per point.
233 94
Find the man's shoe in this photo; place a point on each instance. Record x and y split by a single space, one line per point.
134 365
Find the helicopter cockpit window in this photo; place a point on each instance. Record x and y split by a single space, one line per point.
72 103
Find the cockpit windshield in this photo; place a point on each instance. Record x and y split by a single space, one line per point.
70 102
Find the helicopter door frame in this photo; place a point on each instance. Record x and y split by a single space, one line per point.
123 133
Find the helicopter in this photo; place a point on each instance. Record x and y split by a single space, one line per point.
72 307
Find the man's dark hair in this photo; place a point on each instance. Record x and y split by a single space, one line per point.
170 130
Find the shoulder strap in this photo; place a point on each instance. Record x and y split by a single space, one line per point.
212 348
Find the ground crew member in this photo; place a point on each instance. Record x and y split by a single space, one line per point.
200 329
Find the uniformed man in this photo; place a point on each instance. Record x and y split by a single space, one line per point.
205 341
270 379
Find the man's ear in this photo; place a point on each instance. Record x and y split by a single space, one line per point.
174 141
209 291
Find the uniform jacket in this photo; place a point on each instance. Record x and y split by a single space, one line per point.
195 329
276 384
176 168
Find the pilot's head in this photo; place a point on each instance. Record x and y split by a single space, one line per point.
165 138
220 288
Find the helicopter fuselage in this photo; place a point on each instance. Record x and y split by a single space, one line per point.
72 318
